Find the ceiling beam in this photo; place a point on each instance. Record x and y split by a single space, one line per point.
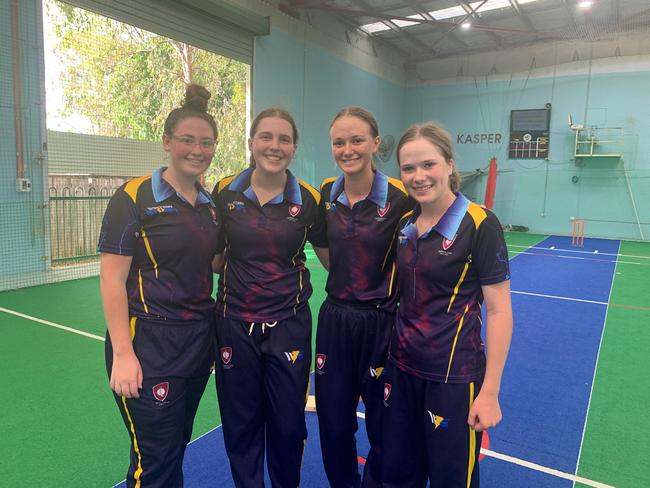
479 27
472 12
522 16
414 40
415 5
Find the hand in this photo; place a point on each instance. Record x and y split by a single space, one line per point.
485 412
126 375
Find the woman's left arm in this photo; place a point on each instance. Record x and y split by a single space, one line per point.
485 411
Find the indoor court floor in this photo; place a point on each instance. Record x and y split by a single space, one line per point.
573 393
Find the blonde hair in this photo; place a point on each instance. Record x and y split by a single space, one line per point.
440 138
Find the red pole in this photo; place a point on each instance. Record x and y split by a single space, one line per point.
491 184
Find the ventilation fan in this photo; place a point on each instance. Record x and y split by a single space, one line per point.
386 147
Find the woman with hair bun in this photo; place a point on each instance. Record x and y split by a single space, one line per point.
440 392
158 239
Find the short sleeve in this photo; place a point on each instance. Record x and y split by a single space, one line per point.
120 225
221 239
489 252
318 232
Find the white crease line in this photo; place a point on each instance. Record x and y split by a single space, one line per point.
553 248
52 324
544 469
557 297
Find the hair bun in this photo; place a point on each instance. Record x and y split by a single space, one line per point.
196 98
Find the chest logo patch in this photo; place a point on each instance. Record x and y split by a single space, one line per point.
294 210
160 391
446 243
383 211
163 209
236 205
226 354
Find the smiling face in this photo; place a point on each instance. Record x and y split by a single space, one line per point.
353 144
272 146
191 146
425 172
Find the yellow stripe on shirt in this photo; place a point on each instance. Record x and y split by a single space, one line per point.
453 347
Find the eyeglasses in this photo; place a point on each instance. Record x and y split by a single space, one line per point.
205 144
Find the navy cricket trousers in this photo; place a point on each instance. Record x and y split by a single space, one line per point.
262 385
427 437
351 351
176 360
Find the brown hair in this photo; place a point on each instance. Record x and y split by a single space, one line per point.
363 114
279 112
440 138
195 105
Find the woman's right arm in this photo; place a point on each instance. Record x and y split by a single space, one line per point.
126 374
323 255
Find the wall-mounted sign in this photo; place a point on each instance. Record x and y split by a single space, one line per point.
529 133
478 138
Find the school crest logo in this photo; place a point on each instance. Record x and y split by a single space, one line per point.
320 360
294 210
387 389
446 243
383 211
226 354
438 421
160 391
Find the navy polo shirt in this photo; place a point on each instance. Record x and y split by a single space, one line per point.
361 240
438 329
172 244
264 277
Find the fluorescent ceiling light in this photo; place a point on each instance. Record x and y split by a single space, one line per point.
585 4
466 25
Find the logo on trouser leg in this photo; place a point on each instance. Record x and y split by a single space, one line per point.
293 356
376 372
438 421
320 363
160 391
226 355
387 389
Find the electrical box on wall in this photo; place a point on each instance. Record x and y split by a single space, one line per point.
23 184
